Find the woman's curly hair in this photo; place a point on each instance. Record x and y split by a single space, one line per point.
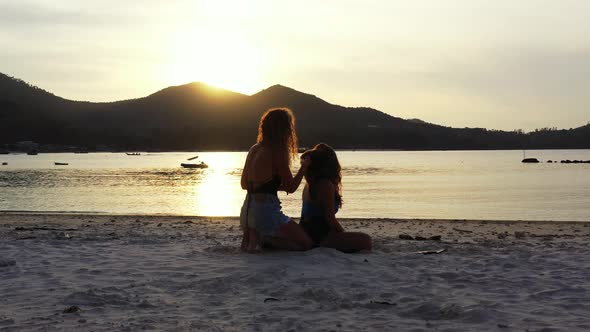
277 130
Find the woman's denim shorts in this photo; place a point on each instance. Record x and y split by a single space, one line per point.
262 212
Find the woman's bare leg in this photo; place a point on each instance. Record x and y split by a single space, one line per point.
252 247
291 236
348 241
245 239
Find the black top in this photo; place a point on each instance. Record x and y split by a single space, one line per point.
269 187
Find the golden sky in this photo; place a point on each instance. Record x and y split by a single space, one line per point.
494 64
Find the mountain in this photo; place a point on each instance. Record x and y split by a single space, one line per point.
198 116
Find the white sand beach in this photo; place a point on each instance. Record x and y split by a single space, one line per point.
128 273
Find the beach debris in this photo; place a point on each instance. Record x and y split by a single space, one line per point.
271 299
366 260
159 225
430 252
519 235
188 222
4 321
43 229
503 326
61 236
4 163
7 262
420 238
60 164
461 230
72 309
193 158
502 236
145 304
383 302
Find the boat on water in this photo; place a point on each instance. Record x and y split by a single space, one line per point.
60 164
199 165
530 160
133 153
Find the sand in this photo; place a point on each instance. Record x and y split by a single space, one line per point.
128 273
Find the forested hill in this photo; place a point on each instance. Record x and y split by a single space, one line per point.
198 117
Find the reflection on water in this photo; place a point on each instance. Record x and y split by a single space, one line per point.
453 184
219 192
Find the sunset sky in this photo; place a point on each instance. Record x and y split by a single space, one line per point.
477 63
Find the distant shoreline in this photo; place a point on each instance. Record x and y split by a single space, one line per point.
231 218
301 150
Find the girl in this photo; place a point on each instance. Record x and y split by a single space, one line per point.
267 170
322 198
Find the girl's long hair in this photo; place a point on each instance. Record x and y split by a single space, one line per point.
277 131
324 165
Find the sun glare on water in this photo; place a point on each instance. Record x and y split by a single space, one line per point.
220 193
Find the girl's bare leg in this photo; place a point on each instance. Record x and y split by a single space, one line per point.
291 236
245 240
252 241
348 241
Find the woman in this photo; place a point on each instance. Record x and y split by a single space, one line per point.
267 170
322 197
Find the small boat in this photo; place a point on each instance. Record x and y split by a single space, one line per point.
133 153
4 163
61 164
530 160
193 158
200 165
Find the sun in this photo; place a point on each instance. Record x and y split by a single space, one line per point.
221 59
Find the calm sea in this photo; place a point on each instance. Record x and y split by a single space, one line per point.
377 184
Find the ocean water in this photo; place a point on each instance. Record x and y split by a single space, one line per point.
491 185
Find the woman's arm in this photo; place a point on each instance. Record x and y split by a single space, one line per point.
290 183
244 179
326 197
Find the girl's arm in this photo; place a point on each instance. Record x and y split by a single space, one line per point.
290 183
326 197
244 179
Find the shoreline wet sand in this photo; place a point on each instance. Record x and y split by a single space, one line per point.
113 272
